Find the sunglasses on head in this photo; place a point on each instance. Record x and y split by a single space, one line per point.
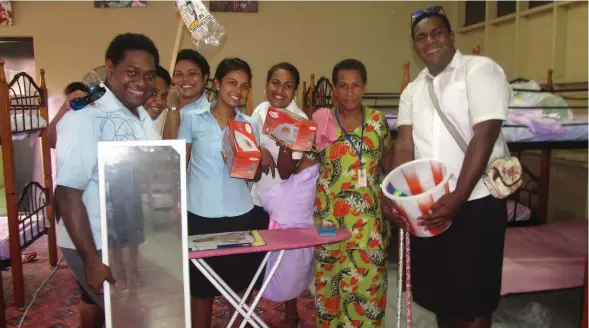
432 10
94 94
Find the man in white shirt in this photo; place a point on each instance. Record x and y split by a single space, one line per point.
457 274
131 60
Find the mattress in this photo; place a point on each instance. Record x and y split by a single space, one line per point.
545 257
28 230
26 120
574 130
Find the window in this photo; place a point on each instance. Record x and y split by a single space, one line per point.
505 8
534 4
475 12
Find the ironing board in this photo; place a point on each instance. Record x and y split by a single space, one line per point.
276 241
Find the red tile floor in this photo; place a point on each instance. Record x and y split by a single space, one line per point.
56 303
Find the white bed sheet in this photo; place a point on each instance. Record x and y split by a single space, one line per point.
575 130
28 230
26 120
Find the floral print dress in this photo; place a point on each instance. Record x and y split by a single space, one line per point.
351 276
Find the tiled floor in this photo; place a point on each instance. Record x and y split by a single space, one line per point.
556 309
56 305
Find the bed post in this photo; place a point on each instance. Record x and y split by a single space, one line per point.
47 175
310 95
548 86
405 75
3 91
304 105
10 187
476 50
585 322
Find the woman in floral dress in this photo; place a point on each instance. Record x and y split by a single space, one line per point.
352 145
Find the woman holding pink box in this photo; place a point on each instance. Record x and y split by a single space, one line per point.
281 85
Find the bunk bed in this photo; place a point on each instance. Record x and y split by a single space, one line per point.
30 215
553 256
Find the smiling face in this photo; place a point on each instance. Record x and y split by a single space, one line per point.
132 80
189 79
157 103
280 90
349 89
434 44
233 88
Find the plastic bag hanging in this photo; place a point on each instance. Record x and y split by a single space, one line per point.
208 36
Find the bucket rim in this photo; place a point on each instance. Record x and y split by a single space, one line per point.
383 185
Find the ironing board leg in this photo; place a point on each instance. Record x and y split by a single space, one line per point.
264 285
227 292
243 303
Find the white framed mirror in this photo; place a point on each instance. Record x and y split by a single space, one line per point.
142 187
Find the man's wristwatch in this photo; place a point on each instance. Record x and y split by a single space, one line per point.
173 108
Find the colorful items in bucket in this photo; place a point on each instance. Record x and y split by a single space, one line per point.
426 181
241 149
395 192
208 36
290 129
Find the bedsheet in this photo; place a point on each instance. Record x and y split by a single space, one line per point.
26 120
29 230
576 129
545 257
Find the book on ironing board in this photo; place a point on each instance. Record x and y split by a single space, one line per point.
225 240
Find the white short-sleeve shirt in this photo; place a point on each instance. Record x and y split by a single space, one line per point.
472 89
266 182
78 134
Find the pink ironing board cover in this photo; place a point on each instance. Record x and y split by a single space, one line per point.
277 240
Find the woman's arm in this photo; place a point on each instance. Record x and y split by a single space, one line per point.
65 107
286 164
304 163
172 123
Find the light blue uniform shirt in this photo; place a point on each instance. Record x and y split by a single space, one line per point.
76 151
212 193
197 105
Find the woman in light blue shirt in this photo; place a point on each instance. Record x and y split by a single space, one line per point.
189 79
217 202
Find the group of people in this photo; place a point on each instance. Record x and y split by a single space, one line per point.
456 275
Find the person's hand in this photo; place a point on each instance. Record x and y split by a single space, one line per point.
391 213
173 99
442 212
97 274
284 149
267 162
66 104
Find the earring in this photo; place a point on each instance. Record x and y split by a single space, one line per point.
264 92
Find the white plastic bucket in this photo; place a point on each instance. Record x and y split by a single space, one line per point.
423 181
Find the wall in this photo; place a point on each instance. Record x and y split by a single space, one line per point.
71 37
